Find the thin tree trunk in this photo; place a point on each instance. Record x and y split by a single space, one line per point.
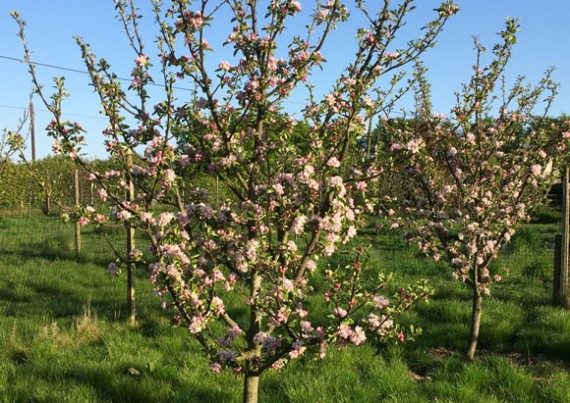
475 322
251 374
251 388
47 203
251 382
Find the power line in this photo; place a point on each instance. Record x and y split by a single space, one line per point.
13 107
48 65
73 70
22 108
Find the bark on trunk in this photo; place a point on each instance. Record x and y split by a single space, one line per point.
475 323
251 382
251 388
47 204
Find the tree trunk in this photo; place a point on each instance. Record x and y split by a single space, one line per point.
251 382
47 204
251 388
475 322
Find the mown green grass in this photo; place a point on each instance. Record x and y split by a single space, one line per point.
64 337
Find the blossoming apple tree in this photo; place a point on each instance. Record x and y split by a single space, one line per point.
477 174
244 274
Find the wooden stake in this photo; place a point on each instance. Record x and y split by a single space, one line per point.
130 248
77 205
561 278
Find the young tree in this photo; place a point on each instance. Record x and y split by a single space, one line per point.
49 178
14 180
10 142
5 151
294 198
477 174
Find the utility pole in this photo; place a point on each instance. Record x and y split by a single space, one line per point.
33 127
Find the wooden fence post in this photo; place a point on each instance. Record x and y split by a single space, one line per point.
130 248
560 286
77 205
557 269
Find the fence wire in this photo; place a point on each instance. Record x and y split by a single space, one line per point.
39 252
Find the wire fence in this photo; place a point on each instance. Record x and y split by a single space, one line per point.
28 235
31 242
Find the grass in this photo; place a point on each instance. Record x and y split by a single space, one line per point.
63 333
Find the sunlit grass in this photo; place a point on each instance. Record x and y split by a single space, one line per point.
63 333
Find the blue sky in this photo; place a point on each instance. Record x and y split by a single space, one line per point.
543 42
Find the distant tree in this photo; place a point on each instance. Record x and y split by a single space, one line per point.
16 185
54 175
14 189
10 142
5 151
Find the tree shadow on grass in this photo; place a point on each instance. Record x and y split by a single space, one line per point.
58 300
47 251
126 383
11 294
